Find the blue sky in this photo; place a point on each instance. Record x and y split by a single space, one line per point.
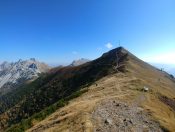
59 31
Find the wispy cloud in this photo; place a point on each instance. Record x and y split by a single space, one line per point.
109 45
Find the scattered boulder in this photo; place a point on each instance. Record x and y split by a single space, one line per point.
146 89
123 118
108 121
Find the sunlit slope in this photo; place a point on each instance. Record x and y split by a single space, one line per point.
95 109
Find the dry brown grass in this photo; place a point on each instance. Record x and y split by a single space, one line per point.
76 117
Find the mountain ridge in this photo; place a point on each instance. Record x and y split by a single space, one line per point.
116 74
116 95
56 84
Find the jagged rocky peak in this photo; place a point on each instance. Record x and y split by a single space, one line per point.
79 62
13 73
4 65
32 64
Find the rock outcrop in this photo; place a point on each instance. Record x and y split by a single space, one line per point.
15 73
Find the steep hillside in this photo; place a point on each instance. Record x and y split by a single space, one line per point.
116 92
118 102
58 84
16 73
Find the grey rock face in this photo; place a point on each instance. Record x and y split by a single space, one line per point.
13 73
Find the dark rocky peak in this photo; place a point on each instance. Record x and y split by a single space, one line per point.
33 66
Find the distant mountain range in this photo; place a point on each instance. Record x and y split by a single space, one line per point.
79 62
13 74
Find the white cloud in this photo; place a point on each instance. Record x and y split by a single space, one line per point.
75 52
109 45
